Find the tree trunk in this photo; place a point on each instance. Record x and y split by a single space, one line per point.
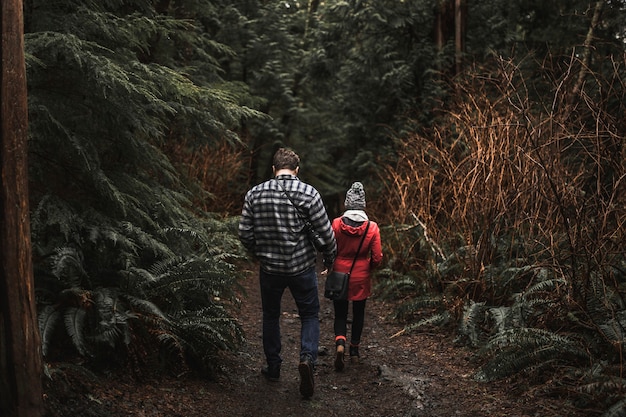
311 11
460 16
20 346
586 53
442 24
450 23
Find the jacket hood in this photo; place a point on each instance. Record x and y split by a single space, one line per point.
356 215
352 230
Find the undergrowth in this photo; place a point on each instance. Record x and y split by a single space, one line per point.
508 228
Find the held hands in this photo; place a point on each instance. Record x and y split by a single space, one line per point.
324 272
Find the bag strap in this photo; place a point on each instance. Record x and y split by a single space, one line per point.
300 214
359 249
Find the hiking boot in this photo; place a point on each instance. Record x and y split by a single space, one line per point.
354 354
271 373
307 385
339 364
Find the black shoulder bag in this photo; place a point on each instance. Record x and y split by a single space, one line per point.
336 286
312 234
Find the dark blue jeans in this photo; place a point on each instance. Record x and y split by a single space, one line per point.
303 288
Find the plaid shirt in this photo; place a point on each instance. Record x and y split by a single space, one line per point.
272 229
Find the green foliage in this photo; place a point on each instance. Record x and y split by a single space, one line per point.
106 304
125 266
607 391
273 45
505 186
98 290
370 59
529 349
617 410
338 76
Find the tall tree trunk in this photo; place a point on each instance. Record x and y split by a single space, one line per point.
311 11
20 346
450 23
442 23
586 53
460 16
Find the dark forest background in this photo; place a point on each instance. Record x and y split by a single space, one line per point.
489 136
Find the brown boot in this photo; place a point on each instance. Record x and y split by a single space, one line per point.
307 384
339 364
354 354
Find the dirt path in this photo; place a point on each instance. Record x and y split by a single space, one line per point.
410 375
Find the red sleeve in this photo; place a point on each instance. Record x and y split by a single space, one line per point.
375 246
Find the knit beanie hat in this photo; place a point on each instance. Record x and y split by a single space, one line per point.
355 197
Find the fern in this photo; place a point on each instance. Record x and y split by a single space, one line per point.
67 264
507 317
74 319
146 308
48 319
206 332
543 286
395 287
603 384
616 410
435 320
413 306
520 349
470 325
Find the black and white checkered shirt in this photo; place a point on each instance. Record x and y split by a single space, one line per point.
273 230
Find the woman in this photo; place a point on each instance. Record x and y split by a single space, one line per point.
349 230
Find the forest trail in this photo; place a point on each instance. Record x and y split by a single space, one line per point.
412 375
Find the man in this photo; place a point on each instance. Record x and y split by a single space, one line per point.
273 227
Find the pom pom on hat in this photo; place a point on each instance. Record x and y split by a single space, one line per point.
355 197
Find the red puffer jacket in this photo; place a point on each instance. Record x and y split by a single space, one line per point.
370 256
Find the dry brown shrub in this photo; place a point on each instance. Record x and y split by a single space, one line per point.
217 168
501 165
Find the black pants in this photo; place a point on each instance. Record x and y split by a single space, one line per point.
358 319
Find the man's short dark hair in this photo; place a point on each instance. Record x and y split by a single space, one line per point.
285 158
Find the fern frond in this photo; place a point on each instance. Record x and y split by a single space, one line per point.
74 319
52 212
146 308
507 317
503 367
414 306
398 286
614 331
436 320
521 349
616 410
64 367
172 346
67 265
49 317
207 331
529 337
510 274
544 286
146 241
512 361
606 385
472 322
110 333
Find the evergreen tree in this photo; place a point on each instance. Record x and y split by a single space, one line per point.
121 256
